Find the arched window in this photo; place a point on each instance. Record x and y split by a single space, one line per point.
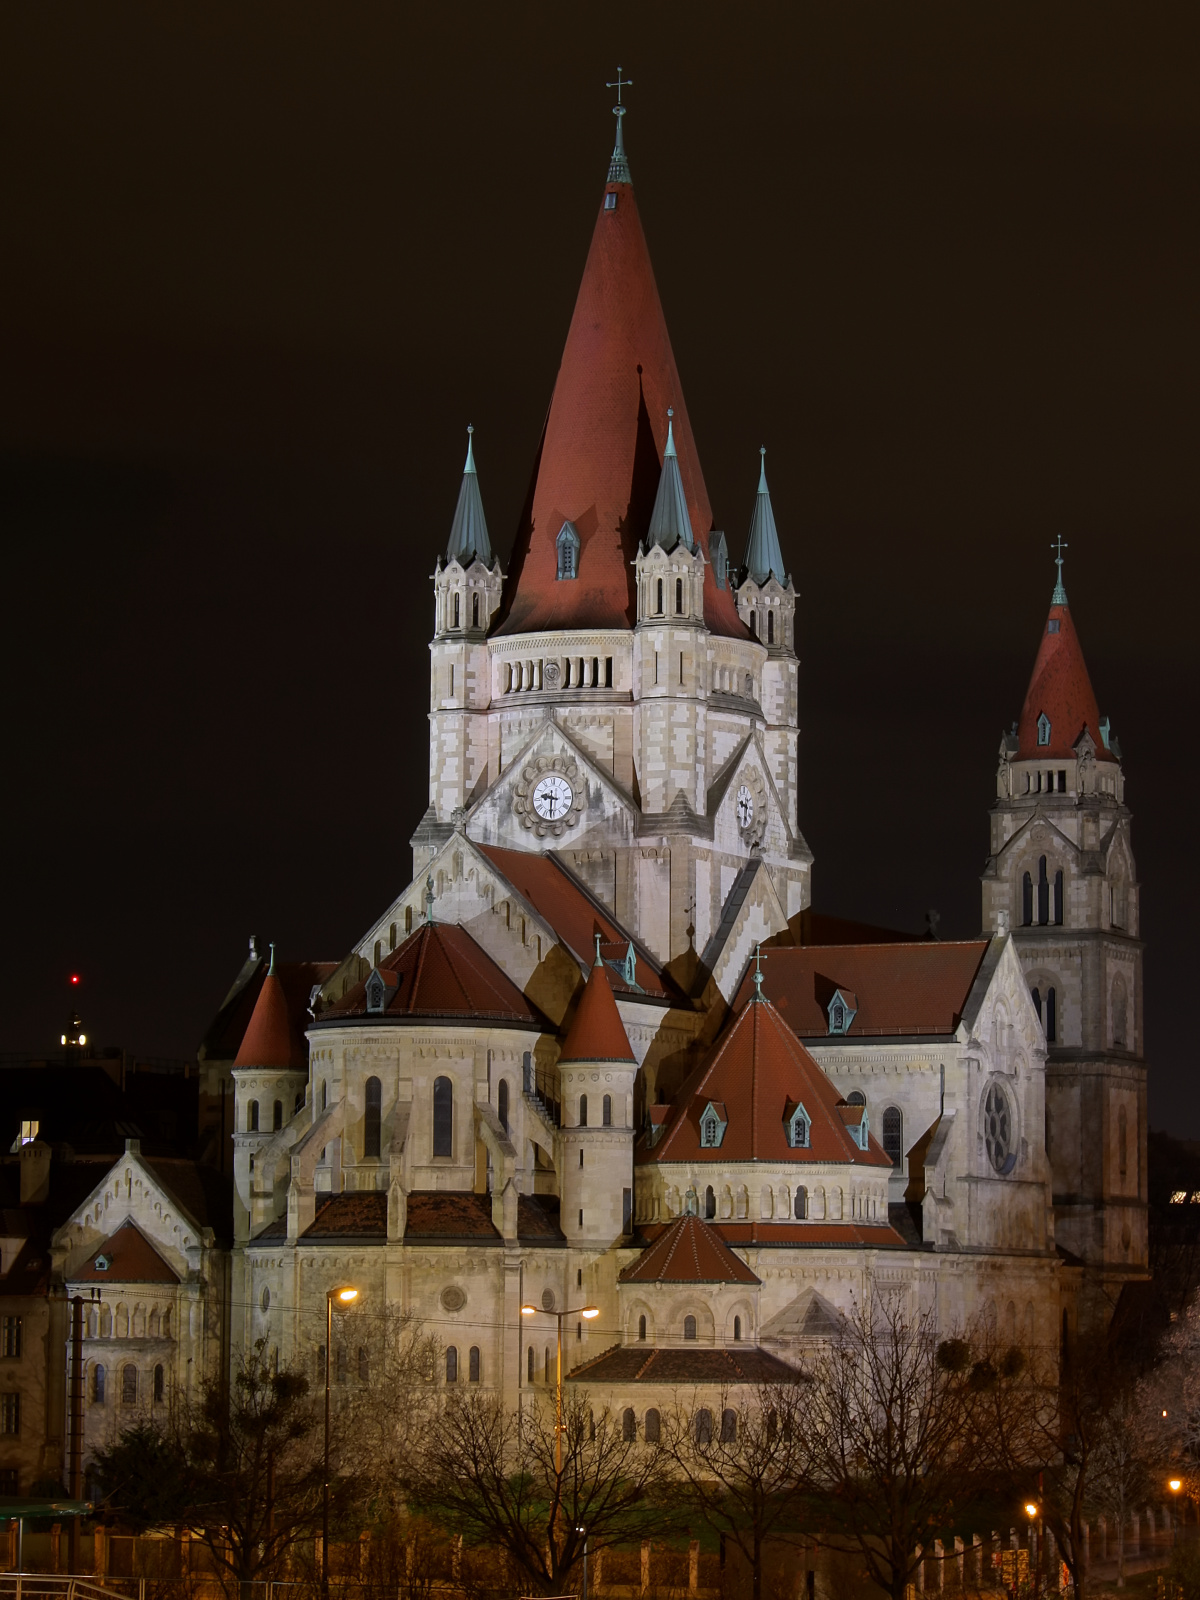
529 1364
473 1364
277 1116
98 1383
770 627
159 1382
893 1135
606 1111
252 1117
378 951
456 610
392 936
628 1424
546 1364
451 1364
325 1097
1051 1016
1027 900
737 1330
474 610
1035 995
728 1427
1122 1141
642 1329
166 1323
299 1106
710 1202
1043 888
689 1327
583 1111
129 1385
652 1426
408 919
801 1204
702 1426
371 1119
659 607
1058 898
678 597
856 1098
443 1117
502 1103
105 1322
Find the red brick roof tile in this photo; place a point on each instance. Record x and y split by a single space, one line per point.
271 1039
597 1032
801 1235
1060 687
688 1251
131 1259
760 1070
637 1363
601 453
918 988
435 1216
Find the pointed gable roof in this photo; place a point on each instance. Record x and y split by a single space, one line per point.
763 555
1061 689
597 1032
599 462
271 1039
131 1259
762 1072
468 532
689 1251
442 972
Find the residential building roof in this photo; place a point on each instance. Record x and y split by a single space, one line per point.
131 1259
688 1251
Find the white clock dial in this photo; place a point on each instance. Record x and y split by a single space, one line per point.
745 807
552 798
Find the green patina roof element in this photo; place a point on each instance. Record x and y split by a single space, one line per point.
468 532
670 523
763 555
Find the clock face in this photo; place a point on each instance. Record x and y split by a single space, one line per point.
552 798
745 807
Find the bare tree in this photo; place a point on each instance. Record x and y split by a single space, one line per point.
742 1458
491 1476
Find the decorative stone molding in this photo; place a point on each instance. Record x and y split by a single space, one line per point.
531 774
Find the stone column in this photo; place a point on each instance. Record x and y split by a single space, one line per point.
939 1555
919 1571
693 1566
960 1561
977 1558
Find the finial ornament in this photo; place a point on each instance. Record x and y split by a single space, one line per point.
762 469
670 446
618 167
470 466
599 962
429 899
758 972
1059 597
271 968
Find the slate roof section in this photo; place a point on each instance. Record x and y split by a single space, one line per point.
577 917
205 1194
689 1251
920 988
434 1216
132 1259
761 1071
1060 687
633 1363
598 464
442 973
597 1032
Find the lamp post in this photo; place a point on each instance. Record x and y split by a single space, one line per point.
1034 1511
535 1311
345 1295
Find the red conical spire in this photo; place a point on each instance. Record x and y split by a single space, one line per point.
270 1040
1059 690
602 449
597 1032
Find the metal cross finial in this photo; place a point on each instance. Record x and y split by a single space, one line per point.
429 898
1059 597
758 971
621 83
599 958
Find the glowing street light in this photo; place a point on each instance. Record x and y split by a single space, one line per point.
1174 1484
345 1295
535 1311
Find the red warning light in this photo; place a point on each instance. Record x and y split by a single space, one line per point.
74 977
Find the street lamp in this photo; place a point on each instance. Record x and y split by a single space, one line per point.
345 1295
535 1311
1034 1512
1174 1484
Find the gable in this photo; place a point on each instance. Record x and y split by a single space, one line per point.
128 1257
744 806
553 794
131 1196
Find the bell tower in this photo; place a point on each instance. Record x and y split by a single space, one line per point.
1061 876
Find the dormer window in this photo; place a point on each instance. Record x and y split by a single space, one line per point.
714 1119
1043 727
610 201
842 1010
380 987
29 1131
797 1126
102 1263
567 545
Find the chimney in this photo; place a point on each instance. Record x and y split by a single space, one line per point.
35 1172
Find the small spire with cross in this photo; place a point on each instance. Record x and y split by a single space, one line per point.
429 899
599 961
618 167
1059 597
757 974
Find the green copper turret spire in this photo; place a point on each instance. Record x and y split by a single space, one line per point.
670 523
468 532
763 555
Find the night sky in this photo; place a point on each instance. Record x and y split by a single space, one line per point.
262 265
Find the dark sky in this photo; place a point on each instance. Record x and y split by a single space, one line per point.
261 266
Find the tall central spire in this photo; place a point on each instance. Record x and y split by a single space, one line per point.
618 167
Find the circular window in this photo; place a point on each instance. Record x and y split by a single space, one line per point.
453 1299
997 1129
547 1299
264 1299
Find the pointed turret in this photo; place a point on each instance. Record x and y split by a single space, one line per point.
270 1040
597 1032
468 532
669 522
1060 703
764 558
599 465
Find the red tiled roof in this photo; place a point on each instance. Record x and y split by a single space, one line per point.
635 1363
760 1070
225 1033
816 927
800 1235
442 972
601 453
576 918
688 1251
1061 688
355 1215
270 1039
918 988
435 1216
597 1033
132 1259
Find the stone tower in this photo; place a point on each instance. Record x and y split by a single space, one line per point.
1061 875
613 699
